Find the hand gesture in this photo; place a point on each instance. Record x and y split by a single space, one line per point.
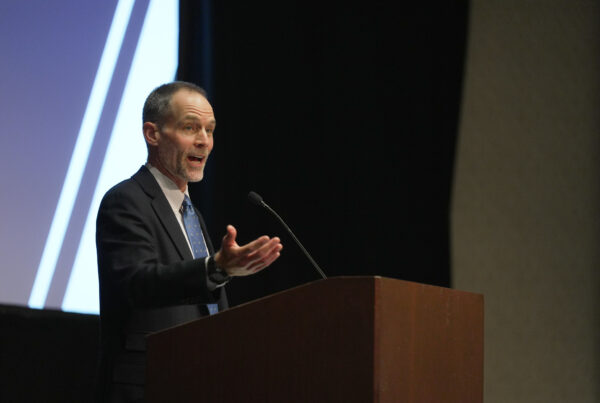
248 259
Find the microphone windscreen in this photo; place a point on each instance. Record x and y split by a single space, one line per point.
255 198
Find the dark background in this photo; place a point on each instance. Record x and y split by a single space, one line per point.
342 116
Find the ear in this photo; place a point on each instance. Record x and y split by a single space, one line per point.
151 133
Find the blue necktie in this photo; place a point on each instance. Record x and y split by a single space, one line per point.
194 233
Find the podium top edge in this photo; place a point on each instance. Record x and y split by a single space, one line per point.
375 279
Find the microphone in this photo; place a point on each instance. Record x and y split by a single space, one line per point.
257 200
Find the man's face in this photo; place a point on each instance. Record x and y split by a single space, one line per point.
186 139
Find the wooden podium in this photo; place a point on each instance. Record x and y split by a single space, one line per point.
344 339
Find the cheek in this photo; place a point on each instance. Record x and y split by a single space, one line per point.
181 147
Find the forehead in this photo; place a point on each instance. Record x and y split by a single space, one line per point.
186 103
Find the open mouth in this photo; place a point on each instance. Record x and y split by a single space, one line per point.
194 158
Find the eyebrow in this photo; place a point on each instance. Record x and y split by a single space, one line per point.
213 121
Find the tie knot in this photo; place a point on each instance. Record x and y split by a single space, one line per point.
187 203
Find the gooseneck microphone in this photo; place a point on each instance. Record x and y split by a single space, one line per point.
256 199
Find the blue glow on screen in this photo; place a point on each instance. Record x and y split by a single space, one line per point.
77 85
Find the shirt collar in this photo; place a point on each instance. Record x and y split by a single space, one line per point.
172 193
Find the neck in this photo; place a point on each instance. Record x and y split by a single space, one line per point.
180 183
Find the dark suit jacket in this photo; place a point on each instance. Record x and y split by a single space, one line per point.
148 279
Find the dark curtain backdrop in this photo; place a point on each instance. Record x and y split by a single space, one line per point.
344 118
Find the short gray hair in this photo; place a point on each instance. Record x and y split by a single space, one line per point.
158 104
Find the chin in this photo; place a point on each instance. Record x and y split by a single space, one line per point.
195 177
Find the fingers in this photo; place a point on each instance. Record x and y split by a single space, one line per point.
258 243
265 255
261 264
248 259
259 250
252 261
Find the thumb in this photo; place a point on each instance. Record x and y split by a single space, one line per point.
229 238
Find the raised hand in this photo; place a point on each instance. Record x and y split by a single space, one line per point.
247 259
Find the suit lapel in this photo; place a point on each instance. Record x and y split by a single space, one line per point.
209 244
163 211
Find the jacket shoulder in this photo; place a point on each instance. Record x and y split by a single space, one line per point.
135 186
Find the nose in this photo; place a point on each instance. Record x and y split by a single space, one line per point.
201 138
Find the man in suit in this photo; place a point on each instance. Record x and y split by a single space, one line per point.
155 270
